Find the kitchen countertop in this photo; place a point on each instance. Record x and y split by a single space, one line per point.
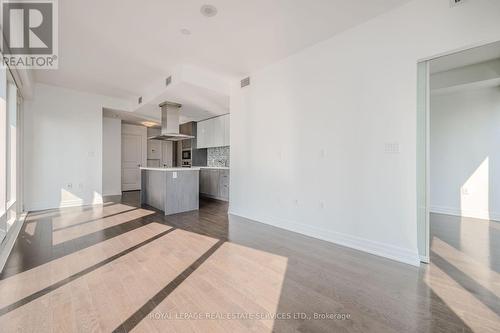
172 169
215 167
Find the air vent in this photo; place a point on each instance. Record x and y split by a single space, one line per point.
245 82
140 100
168 80
454 3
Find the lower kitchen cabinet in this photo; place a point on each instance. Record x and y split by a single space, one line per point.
204 176
214 183
224 184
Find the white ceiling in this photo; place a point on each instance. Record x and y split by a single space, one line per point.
131 117
197 103
118 47
465 58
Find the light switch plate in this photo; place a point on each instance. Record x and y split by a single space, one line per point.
174 175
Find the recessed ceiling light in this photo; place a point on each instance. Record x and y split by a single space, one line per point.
208 10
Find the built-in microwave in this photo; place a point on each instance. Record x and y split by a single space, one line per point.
186 154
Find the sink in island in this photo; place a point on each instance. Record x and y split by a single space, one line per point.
172 190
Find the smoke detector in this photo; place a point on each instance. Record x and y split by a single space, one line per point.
208 10
454 3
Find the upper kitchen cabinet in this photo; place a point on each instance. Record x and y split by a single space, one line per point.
226 130
204 137
213 132
187 129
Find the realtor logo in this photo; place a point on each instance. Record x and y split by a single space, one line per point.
29 33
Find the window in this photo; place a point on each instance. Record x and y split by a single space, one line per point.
11 169
9 151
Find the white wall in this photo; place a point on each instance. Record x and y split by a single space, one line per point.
63 147
308 135
465 137
111 156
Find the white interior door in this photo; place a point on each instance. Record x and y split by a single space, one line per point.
131 162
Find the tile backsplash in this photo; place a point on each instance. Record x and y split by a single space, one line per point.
218 156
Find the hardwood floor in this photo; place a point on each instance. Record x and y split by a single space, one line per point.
120 267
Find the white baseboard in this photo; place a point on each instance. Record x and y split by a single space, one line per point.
373 247
112 194
425 259
10 239
213 197
477 214
37 206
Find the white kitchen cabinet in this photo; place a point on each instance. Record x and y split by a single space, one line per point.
201 135
226 129
205 135
218 131
154 150
213 132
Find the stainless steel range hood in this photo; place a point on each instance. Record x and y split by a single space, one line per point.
170 113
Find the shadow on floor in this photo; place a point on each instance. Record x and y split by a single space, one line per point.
345 289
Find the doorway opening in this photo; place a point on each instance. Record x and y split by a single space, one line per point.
459 162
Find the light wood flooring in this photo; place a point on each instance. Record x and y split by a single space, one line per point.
121 267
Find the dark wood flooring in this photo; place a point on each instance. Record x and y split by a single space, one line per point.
121 267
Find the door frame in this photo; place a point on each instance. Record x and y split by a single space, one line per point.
423 131
140 131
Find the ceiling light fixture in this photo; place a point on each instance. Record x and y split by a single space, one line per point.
149 124
208 10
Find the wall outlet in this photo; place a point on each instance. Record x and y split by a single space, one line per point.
69 186
464 190
174 175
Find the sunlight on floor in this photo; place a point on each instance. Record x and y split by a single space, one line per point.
234 280
475 238
68 212
82 292
464 304
480 272
30 228
24 284
69 218
97 225
102 298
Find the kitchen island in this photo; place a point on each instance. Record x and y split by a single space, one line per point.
171 190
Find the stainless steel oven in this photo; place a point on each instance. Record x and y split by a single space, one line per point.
186 154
